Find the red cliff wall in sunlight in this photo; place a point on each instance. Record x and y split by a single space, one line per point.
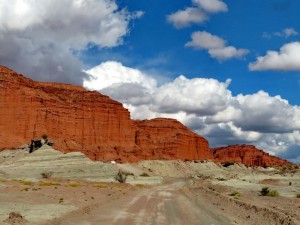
246 154
169 139
89 122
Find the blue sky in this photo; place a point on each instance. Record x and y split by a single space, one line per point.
247 24
229 70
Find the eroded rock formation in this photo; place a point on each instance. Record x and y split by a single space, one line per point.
101 128
246 154
169 139
89 122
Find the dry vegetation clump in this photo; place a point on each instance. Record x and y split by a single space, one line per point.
235 194
121 176
61 200
47 174
265 191
48 183
73 185
144 175
25 182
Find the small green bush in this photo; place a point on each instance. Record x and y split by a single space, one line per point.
145 175
298 195
47 174
264 191
235 194
121 176
273 193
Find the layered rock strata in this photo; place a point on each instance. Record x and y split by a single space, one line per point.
88 122
246 154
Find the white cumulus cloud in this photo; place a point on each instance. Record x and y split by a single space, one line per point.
183 18
112 73
205 105
216 46
41 35
197 14
286 59
212 6
287 32
198 96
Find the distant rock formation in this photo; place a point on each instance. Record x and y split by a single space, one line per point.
245 154
88 122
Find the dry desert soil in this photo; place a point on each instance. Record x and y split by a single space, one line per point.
79 191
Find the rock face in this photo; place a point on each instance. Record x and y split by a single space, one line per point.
169 139
246 154
89 122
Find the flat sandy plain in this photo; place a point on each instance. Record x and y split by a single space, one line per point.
82 192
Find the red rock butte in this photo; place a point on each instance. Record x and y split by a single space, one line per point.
92 123
89 122
246 154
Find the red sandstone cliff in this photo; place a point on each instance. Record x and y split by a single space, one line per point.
89 122
169 139
246 154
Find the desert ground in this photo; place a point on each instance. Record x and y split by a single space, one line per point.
48 187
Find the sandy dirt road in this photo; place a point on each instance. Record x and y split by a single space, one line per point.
171 203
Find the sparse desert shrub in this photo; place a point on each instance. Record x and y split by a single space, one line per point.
145 175
43 183
273 193
61 200
47 174
25 182
265 191
235 194
121 176
73 185
298 195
